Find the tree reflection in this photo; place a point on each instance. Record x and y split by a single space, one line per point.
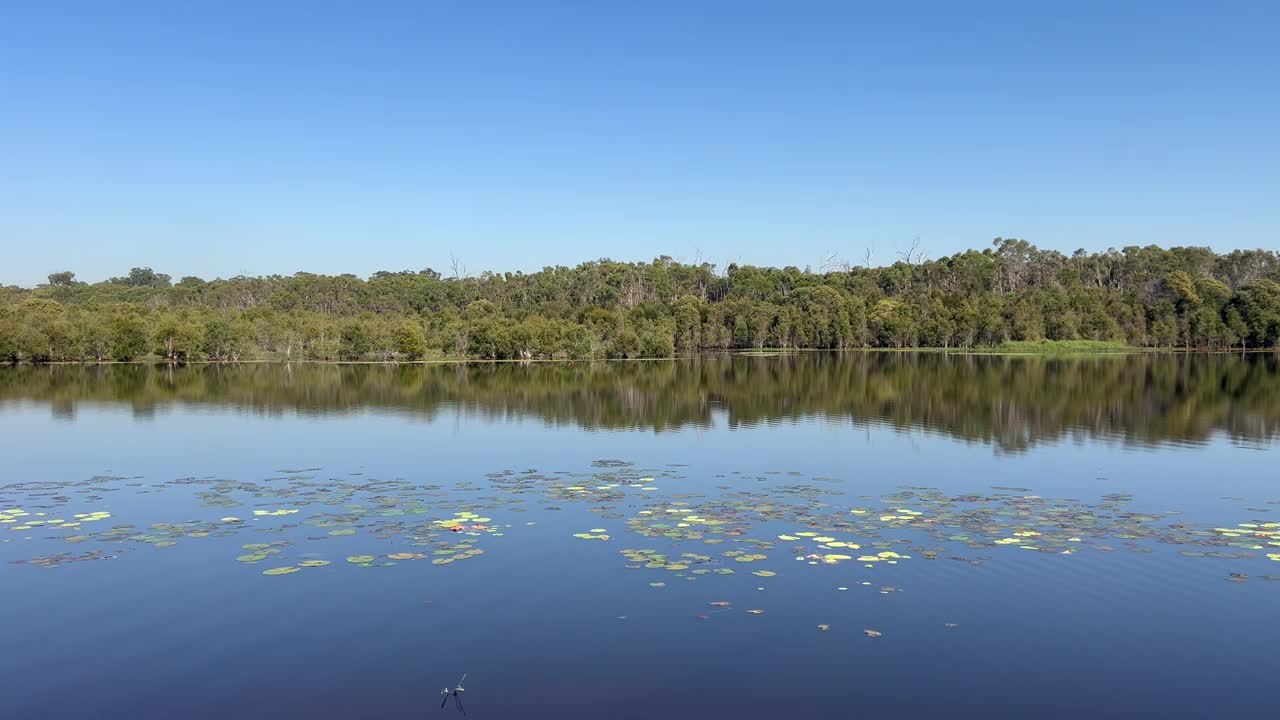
1009 402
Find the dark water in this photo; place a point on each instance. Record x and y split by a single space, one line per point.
1037 538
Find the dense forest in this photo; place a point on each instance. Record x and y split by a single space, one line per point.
1188 297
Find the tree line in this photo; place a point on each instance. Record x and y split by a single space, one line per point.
1183 297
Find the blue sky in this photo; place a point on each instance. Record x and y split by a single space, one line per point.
249 137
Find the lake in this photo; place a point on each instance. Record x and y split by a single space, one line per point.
808 535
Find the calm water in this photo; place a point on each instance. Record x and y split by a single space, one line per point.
1035 538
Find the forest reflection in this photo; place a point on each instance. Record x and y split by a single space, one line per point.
1011 402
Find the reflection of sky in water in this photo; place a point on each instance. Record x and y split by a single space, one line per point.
188 631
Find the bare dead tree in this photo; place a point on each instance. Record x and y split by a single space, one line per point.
914 255
455 263
832 262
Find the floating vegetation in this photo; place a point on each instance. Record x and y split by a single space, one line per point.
672 533
49 561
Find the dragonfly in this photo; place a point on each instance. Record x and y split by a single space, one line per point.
456 694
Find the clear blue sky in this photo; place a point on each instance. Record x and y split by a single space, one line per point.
219 138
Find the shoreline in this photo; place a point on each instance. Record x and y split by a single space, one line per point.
1046 351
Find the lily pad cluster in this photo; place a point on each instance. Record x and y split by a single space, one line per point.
18 519
759 520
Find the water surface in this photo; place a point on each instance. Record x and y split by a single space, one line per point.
1036 537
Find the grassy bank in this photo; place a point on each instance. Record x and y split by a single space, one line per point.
1063 347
